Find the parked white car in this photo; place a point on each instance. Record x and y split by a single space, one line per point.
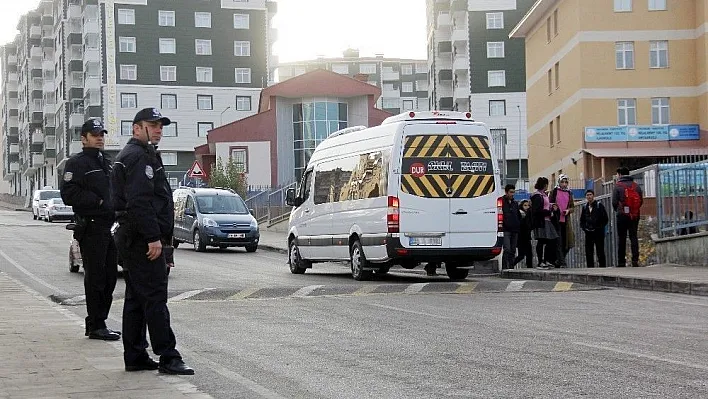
56 210
40 198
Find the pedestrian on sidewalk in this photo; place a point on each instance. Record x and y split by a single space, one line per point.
627 200
524 244
563 198
86 188
543 230
511 223
593 221
145 212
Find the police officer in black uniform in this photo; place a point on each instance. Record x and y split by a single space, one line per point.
143 202
86 188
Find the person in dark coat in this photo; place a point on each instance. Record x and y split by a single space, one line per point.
593 221
525 228
511 226
543 229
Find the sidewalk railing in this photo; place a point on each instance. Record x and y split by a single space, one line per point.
269 204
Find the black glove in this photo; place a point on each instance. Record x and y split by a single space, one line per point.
169 252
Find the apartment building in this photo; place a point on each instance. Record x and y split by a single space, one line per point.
475 66
403 82
203 63
614 83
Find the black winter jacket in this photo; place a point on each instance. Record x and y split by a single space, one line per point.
86 185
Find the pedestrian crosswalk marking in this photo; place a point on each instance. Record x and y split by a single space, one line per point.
366 289
305 291
562 286
515 286
466 288
243 294
414 288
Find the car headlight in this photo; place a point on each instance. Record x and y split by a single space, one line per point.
254 223
207 222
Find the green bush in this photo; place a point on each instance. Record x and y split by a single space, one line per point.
228 175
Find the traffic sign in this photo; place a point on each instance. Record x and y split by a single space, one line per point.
196 170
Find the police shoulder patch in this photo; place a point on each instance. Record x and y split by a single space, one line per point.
68 176
149 172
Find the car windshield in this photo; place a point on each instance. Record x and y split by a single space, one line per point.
45 195
220 204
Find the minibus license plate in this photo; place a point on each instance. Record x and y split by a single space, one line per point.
430 241
237 235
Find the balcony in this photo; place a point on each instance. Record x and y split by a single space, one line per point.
91 55
12 59
37 137
35 32
50 142
14 167
92 83
461 63
444 20
445 75
48 86
462 92
74 11
49 109
75 147
272 35
13 122
37 160
390 93
14 149
47 65
391 75
12 77
460 34
36 52
76 119
90 26
50 154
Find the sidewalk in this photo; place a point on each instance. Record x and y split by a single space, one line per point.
273 241
662 278
45 355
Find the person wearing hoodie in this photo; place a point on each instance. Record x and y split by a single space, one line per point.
543 230
563 197
627 199
593 221
524 242
511 225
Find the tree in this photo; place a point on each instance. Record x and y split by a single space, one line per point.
228 175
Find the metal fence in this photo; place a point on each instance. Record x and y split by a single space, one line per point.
269 205
681 203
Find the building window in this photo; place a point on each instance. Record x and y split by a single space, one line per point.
205 102
406 69
168 46
126 16
391 103
169 158
166 18
558 129
407 105
556 73
548 30
203 128
495 20
168 73
314 121
368 69
126 128
243 103
659 54
202 46
496 78
129 100
242 21
202 20
555 22
421 85
340 68
204 75
623 5
626 111
240 158
495 49
660 111
497 107
407 87
170 130
624 55
421 68
551 133
129 72
126 44
168 101
657 5
242 48
243 75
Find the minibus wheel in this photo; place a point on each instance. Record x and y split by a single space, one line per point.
359 262
297 265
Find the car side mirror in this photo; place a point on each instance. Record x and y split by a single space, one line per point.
290 197
189 212
252 211
70 226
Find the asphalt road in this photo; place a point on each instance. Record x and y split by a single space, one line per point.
253 330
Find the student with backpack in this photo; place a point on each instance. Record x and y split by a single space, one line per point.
627 199
593 221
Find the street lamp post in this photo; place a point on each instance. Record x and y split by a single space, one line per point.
221 117
518 107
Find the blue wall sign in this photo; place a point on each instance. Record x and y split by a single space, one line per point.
607 134
684 132
647 133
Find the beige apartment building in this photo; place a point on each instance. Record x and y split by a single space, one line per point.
614 83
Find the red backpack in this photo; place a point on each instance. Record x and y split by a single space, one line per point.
632 200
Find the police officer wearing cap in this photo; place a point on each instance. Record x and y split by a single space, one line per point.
86 187
143 203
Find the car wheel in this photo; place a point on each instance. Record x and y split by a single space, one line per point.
296 263
358 263
72 267
199 246
49 218
34 216
175 243
251 248
455 273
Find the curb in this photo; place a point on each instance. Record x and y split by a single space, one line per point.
637 283
272 248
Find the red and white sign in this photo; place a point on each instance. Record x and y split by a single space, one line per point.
418 169
196 170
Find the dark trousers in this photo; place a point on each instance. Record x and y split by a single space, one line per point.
100 273
546 250
145 302
525 251
562 244
595 241
510 243
625 226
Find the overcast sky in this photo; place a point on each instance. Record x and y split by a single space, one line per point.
308 28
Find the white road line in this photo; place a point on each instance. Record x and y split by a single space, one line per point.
29 274
74 301
515 286
437 316
663 300
305 291
414 288
645 356
186 295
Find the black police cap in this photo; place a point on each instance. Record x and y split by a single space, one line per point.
94 126
151 115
